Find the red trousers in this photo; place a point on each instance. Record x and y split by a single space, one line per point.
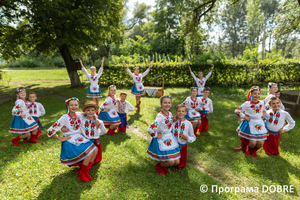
204 124
244 143
271 144
183 157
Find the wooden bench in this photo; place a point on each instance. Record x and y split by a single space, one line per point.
160 90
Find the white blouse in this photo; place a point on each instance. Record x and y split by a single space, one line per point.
88 128
183 128
276 120
254 110
137 78
36 109
206 104
201 82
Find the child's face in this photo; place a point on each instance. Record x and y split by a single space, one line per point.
136 70
273 89
90 112
275 104
73 106
206 93
181 112
32 98
123 97
166 104
112 91
200 75
194 92
93 70
22 95
255 96
277 94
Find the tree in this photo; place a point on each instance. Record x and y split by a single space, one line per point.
71 26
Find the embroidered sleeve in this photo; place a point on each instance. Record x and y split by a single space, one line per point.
42 110
291 122
191 135
102 128
16 111
186 103
85 72
207 76
100 72
239 111
193 75
145 72
104 105
130 73
152 129
56 127
211 109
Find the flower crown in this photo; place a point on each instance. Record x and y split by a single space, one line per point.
165 96
92 67
112 86
72 98
271 83
255 88
20 90
194 88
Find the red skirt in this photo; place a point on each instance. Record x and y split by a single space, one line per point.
271 144
204 124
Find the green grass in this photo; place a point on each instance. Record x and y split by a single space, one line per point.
33 171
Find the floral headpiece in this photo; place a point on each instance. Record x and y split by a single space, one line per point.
68 100
136 67
92 67
165 96
194 88
112 86
270 84
253 88
199 72
20 90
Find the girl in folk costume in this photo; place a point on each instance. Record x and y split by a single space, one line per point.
123 108
192 104
75 148
94 91
252 127
108 113
183 132
276 125
22 122
200 81
164 146
36 110
138 87
277 94
206 107
273 88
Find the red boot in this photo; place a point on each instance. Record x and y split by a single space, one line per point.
195 132
109 132
138 107
33 138
99 154
15 141
183 157
249 151
82 173
39 133
113 132
254 151
159 169
25 141
165 169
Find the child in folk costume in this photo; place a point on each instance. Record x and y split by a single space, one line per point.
192 104
183 132
94 91
277 94
138 87
272 87
164 146
276 125
123 108
22 122
200 81
36 110
108 113
252 127
206 106
91 127
75 148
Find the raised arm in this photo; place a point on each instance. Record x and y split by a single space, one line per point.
193 75
101 69
83 69
127 69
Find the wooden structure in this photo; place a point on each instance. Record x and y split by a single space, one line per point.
291 101
160 91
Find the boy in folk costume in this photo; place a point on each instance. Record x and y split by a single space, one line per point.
206 106
123 108
276 125
22 122
183 132
138 87
108 113
94 91
252 127
36 110
200 81
192 104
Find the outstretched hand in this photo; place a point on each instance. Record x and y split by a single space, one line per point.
125 64
212 67
190 69
150 65
102 62
81 63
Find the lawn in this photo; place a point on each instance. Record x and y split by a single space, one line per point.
33 171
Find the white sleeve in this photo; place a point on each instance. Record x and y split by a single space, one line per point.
104 104
56 126
207 76
291 122
85 72
99 72
211 109
129 107
153 127
193 75
130 73
191 135
145 72
102 128
239 111
42 110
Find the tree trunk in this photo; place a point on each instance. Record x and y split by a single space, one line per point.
70 65
264 37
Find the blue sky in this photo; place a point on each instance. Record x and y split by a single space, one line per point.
131 5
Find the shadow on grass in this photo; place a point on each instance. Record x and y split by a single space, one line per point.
68 185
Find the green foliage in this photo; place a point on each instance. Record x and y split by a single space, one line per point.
251 54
